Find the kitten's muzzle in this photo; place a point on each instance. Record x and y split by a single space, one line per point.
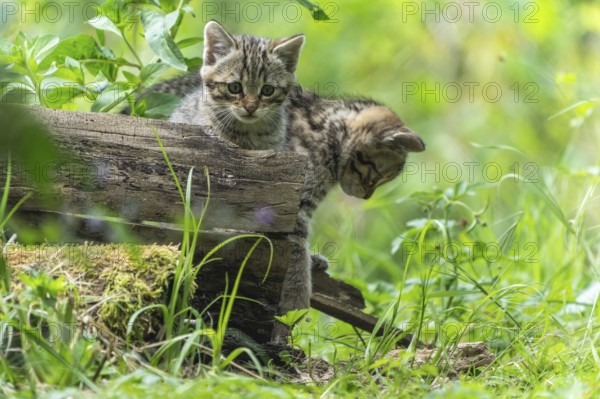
250 108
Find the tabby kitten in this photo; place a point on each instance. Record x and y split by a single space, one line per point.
357 143
242 90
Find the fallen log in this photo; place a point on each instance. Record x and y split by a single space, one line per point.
111 183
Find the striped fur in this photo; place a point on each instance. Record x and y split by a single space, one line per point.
357 143
254 114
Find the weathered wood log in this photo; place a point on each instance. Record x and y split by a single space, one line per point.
114 162
111 178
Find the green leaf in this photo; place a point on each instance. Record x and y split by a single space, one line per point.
85 49
18 93
132 77
112 95
53 68
122 12
22 39
60 95
81 47
42 45
71 71
452 293
292 317
189 10
585 104
158 105
151 72
190 41
317 12
102 22
139 108
101 37
11 59
194 63
156 26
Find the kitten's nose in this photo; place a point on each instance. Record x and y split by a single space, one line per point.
250 107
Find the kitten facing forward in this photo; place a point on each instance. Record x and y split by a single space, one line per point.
242 90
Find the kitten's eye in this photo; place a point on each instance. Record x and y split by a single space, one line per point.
267 90
234 87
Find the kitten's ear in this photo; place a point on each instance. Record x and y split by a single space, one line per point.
406 140
217 42
289 50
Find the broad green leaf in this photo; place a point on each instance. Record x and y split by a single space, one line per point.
53 68
86 50
159 105
102 22
81 47
59 95
15 64
42 45
156 26
151 72
71 71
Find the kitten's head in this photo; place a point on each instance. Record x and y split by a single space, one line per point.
376 152
248 77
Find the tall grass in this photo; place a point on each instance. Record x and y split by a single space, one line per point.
40 345
183 345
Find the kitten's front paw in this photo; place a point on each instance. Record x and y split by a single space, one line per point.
280 333
319 262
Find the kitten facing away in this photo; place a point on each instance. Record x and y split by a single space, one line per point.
357 143
242 90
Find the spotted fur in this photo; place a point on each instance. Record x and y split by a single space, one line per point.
242 89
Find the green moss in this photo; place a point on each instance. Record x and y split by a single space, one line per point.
139 280
122 278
